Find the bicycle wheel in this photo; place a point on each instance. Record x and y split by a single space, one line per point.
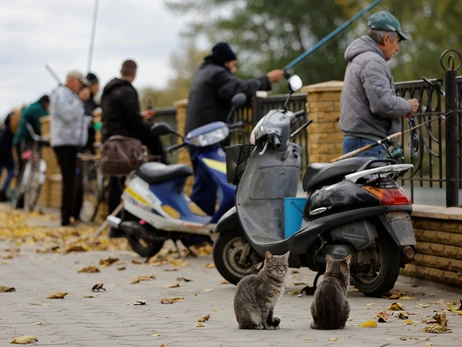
93 190
33 186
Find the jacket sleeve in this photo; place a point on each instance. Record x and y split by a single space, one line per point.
383 102
228 85
66 106
133 119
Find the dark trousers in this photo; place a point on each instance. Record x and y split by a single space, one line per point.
72 193
115 189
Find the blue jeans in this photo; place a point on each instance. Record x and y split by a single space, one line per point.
351 143
8 164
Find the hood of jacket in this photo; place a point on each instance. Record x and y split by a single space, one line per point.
114 84
362 45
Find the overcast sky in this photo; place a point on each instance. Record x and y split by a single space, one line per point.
57 32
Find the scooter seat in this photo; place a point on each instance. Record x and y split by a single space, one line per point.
327 173
157 172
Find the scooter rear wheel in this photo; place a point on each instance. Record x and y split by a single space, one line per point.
383 280
227 250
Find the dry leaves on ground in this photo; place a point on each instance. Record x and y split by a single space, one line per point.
333 339
88 269
437 329
98 287
138 279
5 289
204 318
108 261
439 318
369 324
210 266
24 340
396 307
57 295
179 279
173 285
384 316
166 300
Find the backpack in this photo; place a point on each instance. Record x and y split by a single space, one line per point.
121 154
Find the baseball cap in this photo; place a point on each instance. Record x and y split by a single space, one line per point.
387 22
79 76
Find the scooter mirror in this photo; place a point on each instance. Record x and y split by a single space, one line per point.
295 83
239 100
160 129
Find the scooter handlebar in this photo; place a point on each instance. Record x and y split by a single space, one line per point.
239 124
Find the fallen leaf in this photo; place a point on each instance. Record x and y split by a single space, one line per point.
136 261
393 295
162 345
183 279
8 256
306 338
439 318
39 323
402 338
138 279
139 302
396 307
372 303
333 339
294 293
166 300
369 324
410 322
24 340
215 309
171 270
210 266
436 328
98 287
155 335
57 295
300 284
89 269
384 316
108 261
293 276
173 285
429 344
75 248
208 290
427 338
12 250
406 297
204 319
403 315
200 325
120 268
89 296
224 282
5 289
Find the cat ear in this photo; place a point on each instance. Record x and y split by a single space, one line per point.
286 256
347 259
329 258
268 255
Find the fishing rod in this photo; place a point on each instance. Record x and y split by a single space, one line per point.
389 138
331 35
52 73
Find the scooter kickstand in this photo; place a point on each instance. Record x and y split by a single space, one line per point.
310 290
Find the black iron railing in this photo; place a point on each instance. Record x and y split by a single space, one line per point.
168 115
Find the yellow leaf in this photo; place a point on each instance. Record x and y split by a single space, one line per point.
224 282
372 303
108 261
410 322
57 295
396 307
429 344
39 323
436 328
215 309
24 340
406 297
294 293
208 290
5 289
204 319
162 345
333 339
210 266
166 300
369 324
89 296
120 268
138 279
173 285
89 269
306 338
136 261
155 335
200 325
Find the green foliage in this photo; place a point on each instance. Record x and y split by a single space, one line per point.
269 34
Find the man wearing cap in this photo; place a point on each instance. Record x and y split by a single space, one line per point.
212 89
370 110
68 135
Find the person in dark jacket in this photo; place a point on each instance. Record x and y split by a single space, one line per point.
121 116
6 156
370 110
212 89
90 106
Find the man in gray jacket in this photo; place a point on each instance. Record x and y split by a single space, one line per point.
68 135
370 110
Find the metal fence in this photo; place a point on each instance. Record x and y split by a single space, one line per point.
168 115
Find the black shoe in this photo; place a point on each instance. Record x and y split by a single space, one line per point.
65 223
115 233
3 196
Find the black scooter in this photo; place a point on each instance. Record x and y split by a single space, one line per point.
354 207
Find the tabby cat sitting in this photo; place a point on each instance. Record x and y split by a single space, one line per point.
330 307
257 295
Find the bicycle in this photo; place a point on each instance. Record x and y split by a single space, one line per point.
33 175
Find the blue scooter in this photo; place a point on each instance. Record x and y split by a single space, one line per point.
155 207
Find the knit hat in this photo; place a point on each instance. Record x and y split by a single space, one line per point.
91 77
222 53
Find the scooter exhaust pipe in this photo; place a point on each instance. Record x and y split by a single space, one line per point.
408 254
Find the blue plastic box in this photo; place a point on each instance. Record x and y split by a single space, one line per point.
293 215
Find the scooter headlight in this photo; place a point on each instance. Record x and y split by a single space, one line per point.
210 138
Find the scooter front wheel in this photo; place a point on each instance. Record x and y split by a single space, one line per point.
228 249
